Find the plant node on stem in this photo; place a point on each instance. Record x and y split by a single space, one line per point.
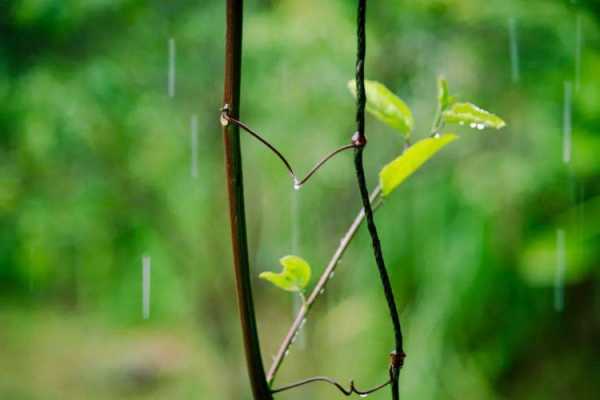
359 140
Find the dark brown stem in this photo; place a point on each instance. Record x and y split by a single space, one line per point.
235 186
398 354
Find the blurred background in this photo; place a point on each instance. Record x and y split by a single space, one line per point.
111 151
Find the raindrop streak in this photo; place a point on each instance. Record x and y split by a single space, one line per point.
194 146
295 246
559 300
295 210
146 271
514 49
171 76
578 45
567 126
295 217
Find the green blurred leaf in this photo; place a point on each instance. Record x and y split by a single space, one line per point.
470 114
539 265
540 261
386 106
294 277
394 173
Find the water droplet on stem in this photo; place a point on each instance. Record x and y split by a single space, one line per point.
297 184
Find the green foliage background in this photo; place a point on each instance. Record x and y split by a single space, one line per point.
95 173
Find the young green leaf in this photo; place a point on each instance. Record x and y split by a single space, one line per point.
394 173
386 106
475 117
294 277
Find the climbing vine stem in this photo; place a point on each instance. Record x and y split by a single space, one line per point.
359 138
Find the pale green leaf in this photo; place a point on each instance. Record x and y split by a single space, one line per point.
473 116
294 277
394 173
386 106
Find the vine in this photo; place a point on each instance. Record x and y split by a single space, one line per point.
295 276
397 358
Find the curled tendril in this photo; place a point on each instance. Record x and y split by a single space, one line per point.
226 119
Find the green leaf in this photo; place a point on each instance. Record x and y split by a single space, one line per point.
394 173
475 117
294 277
386 106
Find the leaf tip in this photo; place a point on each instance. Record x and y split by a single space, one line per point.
265 275
396 172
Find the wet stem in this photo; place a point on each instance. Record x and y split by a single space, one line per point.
320 286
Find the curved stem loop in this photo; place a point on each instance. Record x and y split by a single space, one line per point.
226 117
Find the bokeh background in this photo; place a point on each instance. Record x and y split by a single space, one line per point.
493 247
